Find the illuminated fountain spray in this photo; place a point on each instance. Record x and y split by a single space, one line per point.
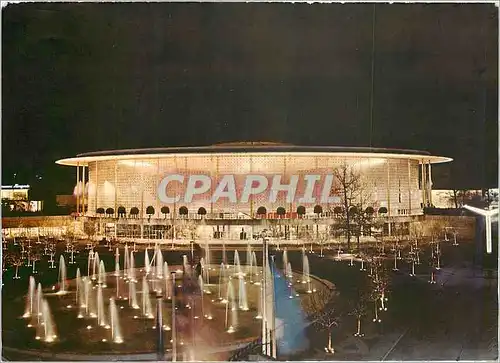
254 267
221 279
259 304
285 260
237 264
39 301
46 330
208 258
116 335
147 310
147 266
62 276
78 282
305 273
95 265
168 285
132 295
126 263
242 295
101 316
90 260
30 298
159 263
204 271
117 262
81 303
249 260
102 275
230 300
131 268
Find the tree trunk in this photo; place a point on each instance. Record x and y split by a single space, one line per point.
359 326
17 269
455 198
359 249
329 347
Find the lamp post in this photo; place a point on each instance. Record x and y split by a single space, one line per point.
159 325
268 338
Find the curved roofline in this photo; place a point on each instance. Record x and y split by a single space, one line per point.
153 153
222 148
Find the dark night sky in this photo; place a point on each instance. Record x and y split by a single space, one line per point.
84 77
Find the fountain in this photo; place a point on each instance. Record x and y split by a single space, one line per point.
132 295
242 295
86 332
131 269
305 273
46 330
30 297
147 266
90 259
146 302
221 279
101 317
62 276
101 277
254 266
285 260
117 262
159 262
116 336
126 264
78 280
237 265
168 285
259 304
230 300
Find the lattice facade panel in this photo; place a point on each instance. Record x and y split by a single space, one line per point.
134 182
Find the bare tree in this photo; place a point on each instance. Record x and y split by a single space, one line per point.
17 260
359 310
320 304
349 184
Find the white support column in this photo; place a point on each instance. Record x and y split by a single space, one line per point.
409 187
423 184
83 189
116 188
96 186
77 188
389 197
430 183
141 214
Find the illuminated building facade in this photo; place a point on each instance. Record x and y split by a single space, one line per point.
247 181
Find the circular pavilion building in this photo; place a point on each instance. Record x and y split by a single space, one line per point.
143 192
